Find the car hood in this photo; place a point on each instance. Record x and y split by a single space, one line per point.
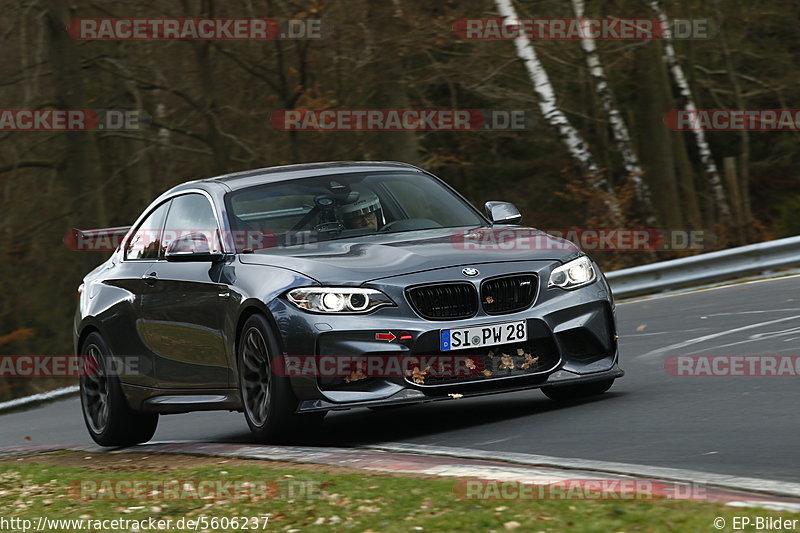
378 256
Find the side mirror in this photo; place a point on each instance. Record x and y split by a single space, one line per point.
503 213
192 247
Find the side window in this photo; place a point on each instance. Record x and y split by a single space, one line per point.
190 213
145 243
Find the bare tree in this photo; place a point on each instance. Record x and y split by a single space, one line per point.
619 129
548 105
744 158
707 158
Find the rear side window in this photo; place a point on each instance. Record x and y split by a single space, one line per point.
190 213
145 243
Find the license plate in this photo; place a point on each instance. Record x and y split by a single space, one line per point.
487 335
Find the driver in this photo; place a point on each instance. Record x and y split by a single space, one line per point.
364 213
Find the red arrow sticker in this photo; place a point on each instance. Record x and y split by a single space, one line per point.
385 336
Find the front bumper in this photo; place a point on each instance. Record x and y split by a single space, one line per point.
411 396
574 333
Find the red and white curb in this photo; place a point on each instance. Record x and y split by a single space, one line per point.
739 483
474 465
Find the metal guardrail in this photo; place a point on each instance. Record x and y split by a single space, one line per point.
704 268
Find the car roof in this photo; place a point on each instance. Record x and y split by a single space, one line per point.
249 178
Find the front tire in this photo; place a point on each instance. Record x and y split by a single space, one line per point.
574 392
268 400
108 417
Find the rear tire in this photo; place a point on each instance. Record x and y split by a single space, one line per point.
108 417
268 400
574 392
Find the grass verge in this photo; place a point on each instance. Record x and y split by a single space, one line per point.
305 498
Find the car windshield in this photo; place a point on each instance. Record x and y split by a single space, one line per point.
344 206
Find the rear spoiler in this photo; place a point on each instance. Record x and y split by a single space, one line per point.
95 240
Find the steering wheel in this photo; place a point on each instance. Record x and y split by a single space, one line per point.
408 224
389 226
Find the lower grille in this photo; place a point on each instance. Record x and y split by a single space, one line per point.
508 294
444 301
486 364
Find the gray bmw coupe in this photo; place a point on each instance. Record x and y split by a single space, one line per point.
291 291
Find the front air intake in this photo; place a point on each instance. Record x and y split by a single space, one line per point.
444 301
508 294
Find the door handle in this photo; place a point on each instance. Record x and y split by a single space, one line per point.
150 278
224 294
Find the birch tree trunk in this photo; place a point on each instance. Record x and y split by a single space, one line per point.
707 158
553 114
619 130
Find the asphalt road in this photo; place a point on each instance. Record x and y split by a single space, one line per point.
731 425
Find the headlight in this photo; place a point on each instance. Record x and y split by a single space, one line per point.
574 274
338 299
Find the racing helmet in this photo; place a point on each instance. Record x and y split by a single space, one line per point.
366 204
